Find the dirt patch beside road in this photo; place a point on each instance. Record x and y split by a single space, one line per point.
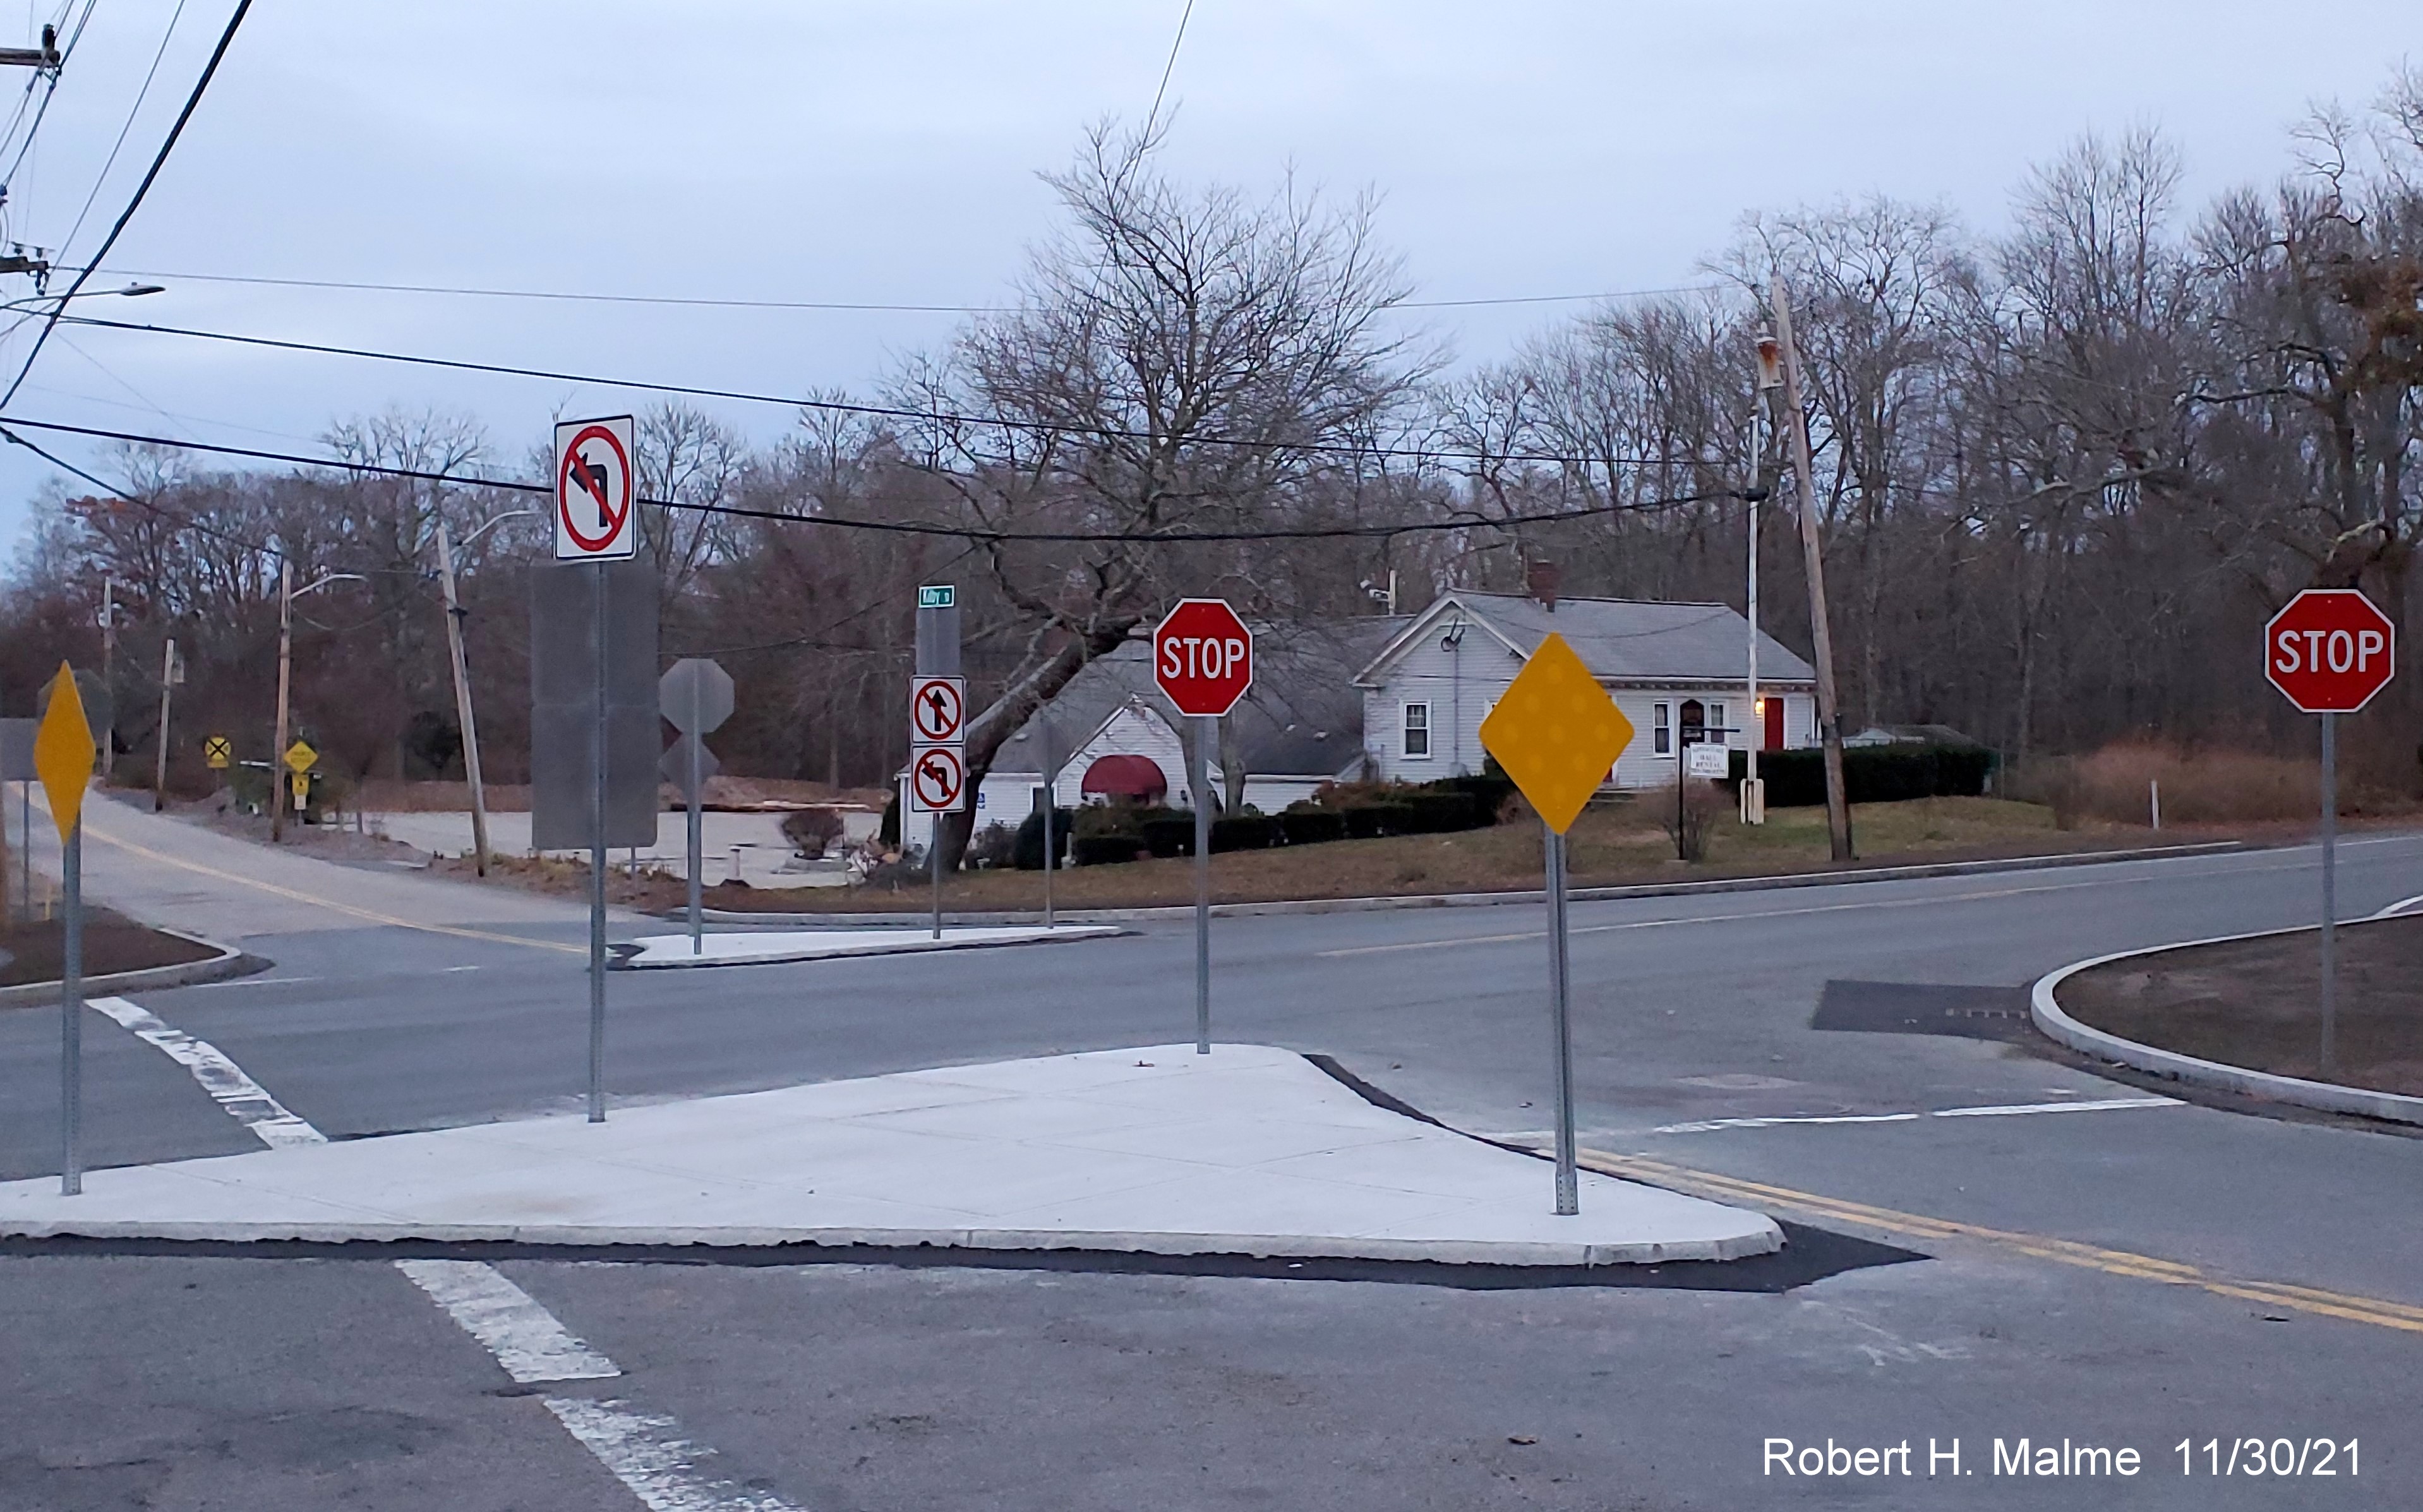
2257 1004
112 943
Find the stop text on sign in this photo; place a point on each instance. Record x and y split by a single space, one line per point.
1215 657
2337 651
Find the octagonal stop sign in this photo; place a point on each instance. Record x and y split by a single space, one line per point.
2329 650
1203 657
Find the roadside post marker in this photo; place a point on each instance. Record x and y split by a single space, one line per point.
63 756
2329 652
1558 735
1203 660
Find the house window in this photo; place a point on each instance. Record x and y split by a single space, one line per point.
1661 728
1717 723
1417 729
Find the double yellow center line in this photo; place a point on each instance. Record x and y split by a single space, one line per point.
2403 1317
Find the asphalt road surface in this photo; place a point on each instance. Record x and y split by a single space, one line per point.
2116 1277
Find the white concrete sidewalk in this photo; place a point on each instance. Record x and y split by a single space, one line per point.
1249 1150
769 946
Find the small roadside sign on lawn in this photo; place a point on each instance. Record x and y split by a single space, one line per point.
217 751
1708 759
1557 733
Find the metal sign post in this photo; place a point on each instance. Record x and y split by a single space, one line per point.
2329 652
696 697
597 853
1051 796
1203 661
1557 733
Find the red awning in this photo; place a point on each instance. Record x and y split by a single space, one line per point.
1126 777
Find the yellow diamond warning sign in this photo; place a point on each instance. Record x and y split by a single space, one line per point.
299 757
1556 732
63 752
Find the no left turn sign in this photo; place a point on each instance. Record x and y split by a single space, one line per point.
938 780
594 489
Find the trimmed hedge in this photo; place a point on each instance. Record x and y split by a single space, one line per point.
1102 850
1308 824
1026 851
1876 774
1247 831
1168 835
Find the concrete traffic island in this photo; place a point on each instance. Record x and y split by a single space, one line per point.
1247 1151
767 947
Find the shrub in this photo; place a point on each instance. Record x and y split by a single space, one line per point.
888 831
2199 787
1877 773
1105 850
1027 852
1305 824
1168 835
989 847
812 831
1246 832
1690 821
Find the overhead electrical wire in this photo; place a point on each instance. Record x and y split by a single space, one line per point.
962 532
151 175
892 412
711 302
132 112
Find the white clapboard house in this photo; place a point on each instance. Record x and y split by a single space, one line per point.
1677 671
1112 733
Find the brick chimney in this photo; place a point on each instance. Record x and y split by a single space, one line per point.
1540 580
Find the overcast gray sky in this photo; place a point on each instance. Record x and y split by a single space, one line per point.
888 153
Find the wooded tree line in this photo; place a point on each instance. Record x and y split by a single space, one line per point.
2064 472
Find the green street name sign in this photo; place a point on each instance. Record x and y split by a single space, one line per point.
937 596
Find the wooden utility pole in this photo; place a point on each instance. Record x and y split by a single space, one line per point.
1821 636
462 701
160 770
285 661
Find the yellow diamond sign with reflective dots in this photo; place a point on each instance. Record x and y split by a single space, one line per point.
299 757
63 753
1556 732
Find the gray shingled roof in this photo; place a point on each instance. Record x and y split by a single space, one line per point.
1303 717
1632 639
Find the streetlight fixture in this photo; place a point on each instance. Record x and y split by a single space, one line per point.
133 291
286 594
455 616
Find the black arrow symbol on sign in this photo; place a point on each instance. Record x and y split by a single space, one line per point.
592 479
934 771
941 707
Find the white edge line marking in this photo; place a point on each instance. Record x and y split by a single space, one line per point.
2398 907
647 1453
1710 1125
245 1100
523 1336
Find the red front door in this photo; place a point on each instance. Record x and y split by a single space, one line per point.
1774 722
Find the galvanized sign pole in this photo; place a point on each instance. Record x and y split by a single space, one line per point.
694 851
1206 731
597 856
1560 1017
1051 811
695 697
2330 892
71 1015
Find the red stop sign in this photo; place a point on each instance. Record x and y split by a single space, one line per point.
1203 656
2329 650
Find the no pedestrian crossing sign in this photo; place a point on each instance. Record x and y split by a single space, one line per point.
595 491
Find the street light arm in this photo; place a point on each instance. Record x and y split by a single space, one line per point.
490 523
325 579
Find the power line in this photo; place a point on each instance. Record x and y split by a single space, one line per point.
159 160
132 112
1168 68
962 532
1419 454
846 306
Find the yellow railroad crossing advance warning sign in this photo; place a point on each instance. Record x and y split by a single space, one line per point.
1556 732
63 753
301 783
299 757
218 751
